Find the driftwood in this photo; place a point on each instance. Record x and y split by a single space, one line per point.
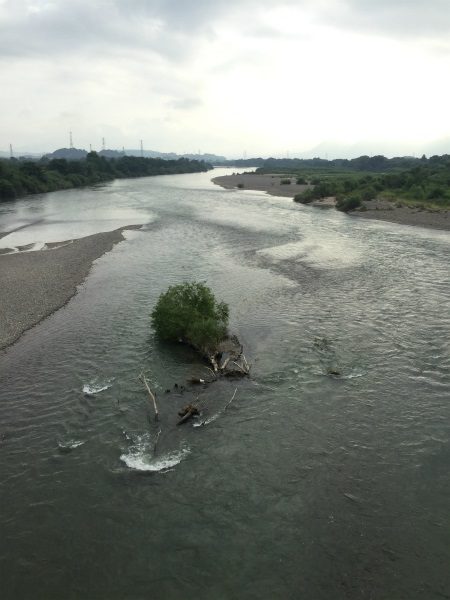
232 398
231 347
215 376
145 382
187 412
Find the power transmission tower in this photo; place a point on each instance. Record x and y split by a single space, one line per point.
70 140
103 143
142 149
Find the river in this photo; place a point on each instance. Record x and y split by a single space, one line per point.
328 475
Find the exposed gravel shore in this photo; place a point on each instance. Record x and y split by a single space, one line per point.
264 183
387 211
35 284
381 211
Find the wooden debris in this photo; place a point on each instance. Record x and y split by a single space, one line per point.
145 382
187 412
232 398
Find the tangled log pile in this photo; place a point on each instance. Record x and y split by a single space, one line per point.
229 352
227 361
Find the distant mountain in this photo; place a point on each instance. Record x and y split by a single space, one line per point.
67 153
77 154
173 156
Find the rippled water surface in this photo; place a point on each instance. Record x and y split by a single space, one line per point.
327 476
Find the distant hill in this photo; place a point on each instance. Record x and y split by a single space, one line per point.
77 154
67 153
212 158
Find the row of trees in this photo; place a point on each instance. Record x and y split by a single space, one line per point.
370 164
31 177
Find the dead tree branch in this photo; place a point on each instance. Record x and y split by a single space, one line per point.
232 398
187 412
240 367
145 382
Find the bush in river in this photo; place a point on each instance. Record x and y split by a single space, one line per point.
190 313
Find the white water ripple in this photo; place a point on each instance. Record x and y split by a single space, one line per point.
96 386
141 456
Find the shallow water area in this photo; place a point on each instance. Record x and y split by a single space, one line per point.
327 475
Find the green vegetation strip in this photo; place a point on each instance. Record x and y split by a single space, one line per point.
18 178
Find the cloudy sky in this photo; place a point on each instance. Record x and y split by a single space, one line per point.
225 76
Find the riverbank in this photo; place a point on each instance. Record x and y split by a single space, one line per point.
375 209
262 183
35 284
387 211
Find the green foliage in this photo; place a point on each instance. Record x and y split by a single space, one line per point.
285 181
349 203
7 189
240 185
305 197
424 184
301 181
189 313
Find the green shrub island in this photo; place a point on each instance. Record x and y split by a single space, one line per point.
189 313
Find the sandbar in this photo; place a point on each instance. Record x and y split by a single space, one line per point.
35 284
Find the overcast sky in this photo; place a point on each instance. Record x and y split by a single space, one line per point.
224 76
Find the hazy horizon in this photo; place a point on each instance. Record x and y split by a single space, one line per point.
328 151
286 78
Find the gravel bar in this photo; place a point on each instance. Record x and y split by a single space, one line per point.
35 284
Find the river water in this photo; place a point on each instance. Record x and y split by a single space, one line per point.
309 485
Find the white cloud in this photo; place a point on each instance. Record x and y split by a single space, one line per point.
224 75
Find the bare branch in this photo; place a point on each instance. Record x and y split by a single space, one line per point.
240 367
215 376
232 398
145 382
225 363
